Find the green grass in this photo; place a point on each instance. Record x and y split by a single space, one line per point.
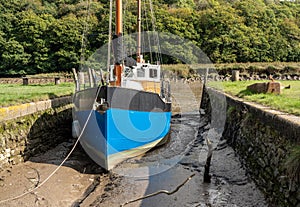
12 94
288 101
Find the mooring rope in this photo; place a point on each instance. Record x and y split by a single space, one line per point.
57 168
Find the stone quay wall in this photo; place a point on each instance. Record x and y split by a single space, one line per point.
32 128
262 138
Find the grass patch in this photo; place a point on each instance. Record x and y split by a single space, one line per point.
288 101
12 94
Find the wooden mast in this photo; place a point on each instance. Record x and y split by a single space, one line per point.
118 66
118 17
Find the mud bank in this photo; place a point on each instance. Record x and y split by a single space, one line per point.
80 182
68 186
167 167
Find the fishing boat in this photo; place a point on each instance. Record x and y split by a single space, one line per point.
126 114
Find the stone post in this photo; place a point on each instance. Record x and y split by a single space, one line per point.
206 75
235 75
25 81
81 77
57 80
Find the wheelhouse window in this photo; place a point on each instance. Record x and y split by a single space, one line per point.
153 73
141 72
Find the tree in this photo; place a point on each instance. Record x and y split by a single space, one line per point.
30 32
219 27
13 58
65 37
47 35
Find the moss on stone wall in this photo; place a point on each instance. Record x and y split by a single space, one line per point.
26 136
263 148
293 164
263 151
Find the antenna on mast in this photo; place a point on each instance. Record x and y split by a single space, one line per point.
138 49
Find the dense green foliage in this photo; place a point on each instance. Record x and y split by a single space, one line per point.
39 36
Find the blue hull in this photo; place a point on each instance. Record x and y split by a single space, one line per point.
118 134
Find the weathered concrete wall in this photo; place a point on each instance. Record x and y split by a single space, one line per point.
32 128
12 112
263 139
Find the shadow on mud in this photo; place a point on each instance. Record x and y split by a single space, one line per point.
50 140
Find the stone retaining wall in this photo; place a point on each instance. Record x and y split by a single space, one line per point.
33 80
32 128
263 139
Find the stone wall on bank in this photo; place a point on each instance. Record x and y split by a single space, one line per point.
32 128
33 80
263 139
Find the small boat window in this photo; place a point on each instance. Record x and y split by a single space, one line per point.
128 72
153 73
140 72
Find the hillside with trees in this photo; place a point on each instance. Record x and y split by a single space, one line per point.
39 36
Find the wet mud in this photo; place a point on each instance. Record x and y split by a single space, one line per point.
81 182
167 167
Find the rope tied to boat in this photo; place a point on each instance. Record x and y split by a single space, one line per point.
61 164
54 171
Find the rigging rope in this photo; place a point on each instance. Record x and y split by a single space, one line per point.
158 54
148 34
83 39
